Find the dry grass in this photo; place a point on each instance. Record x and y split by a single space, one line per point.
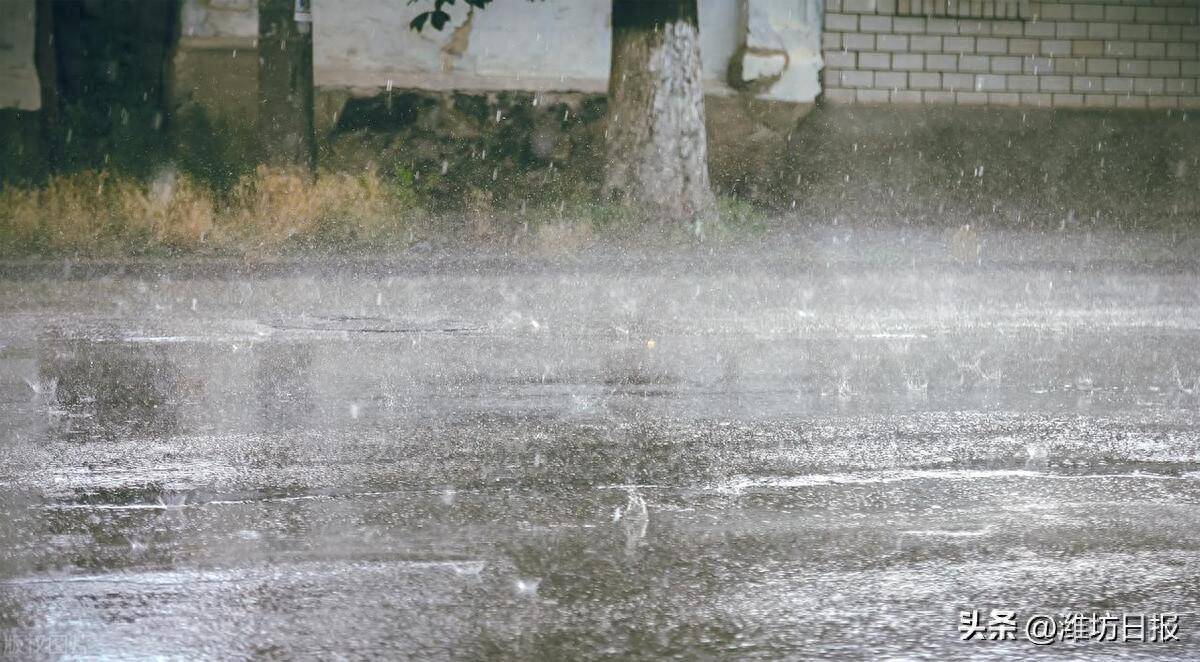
98 214
274 208
103 214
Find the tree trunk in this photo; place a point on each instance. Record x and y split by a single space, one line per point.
155 28
656 146
285 87
47 69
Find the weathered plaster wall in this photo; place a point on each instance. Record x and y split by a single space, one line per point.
780 59
509 46
365 46
232 22
761 62
18 75
20 156
216 62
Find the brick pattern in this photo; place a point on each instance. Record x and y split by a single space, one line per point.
1090 53
965 8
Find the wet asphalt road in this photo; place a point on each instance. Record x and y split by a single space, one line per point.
793 454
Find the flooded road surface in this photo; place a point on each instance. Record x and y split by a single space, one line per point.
748 456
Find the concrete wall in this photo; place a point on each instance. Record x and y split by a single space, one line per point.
20 145
18 75
216 63
780 57
561 46
365 46
1089 53
232 23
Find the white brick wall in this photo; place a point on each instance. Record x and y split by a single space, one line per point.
1088 53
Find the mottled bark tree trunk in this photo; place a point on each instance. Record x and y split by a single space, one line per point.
285 87
656 157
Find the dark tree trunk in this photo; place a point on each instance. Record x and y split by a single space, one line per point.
656 157
47 69
156 38
285 87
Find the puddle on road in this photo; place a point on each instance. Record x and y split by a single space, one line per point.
545 472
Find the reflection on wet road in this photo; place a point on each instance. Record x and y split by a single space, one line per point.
686 457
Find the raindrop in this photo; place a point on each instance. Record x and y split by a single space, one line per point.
472 569
39 387
527 587
173 499
1037 453
136 546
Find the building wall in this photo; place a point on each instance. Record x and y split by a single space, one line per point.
232 23
1089 53
216 62
365 47
560 46
18 74
552 46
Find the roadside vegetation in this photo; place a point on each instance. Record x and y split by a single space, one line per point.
402 177
106 214
102 213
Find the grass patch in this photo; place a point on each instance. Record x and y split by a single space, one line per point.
101 214
738 218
